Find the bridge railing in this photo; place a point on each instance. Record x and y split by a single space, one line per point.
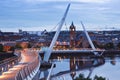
6 64
29 70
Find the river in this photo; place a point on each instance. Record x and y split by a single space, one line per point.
68 68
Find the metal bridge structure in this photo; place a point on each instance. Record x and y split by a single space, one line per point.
48 51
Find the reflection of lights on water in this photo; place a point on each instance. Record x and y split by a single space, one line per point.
74 60
73 74
59 58
113 62
64 57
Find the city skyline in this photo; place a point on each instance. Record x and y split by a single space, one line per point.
37 15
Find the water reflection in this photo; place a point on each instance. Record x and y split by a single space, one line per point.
76 64
82 63
113 62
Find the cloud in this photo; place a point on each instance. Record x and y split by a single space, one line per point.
85 1
47 12
93 1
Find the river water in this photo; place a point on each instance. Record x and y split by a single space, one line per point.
68 68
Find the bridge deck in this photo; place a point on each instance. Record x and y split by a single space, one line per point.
68 53
27 57
73 51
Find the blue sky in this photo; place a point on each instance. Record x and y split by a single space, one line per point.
37 15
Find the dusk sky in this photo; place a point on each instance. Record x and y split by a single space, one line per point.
37 15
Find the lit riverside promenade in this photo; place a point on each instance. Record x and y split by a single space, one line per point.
27 68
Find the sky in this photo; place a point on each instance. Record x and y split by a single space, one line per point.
37 15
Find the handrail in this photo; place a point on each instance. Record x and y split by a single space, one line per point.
8 63
8 60
28 70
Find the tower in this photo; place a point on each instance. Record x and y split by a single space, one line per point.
72 35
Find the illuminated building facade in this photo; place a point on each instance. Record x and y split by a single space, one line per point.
72 35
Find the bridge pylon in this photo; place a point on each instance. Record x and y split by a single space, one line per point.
50 48
89 39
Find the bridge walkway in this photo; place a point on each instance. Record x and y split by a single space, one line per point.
26 68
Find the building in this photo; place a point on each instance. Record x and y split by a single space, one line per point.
72 35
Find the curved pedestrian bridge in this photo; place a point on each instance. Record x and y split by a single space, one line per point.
26 69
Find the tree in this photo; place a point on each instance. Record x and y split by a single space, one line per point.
12 48
99 78
81 77
96 44
18 46
1 48
118 45
109 45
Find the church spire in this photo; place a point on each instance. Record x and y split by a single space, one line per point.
72 26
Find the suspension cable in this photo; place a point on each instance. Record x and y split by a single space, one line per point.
55 27
66 26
